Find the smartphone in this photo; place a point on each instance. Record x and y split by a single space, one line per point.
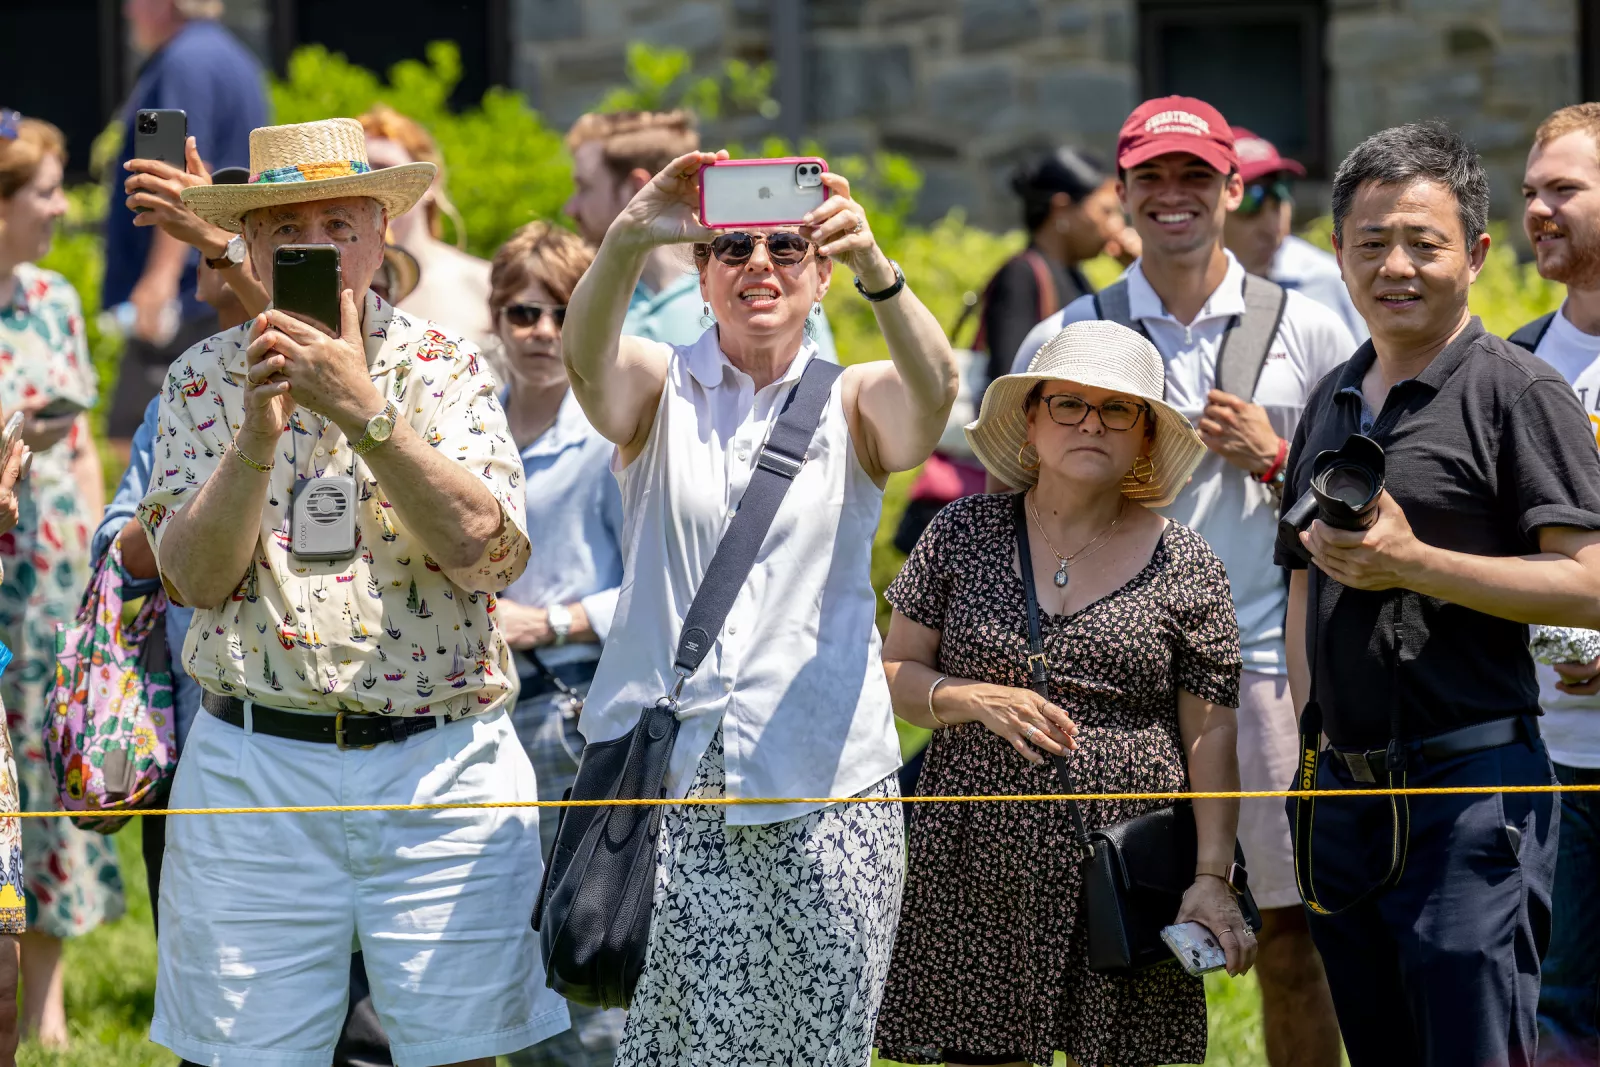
761 192
160 134
8 437
306 280
1196 947
58 408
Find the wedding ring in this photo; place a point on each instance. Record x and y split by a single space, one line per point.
857 228
1027 735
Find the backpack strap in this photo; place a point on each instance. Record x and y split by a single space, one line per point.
1112 305
1247 342
1530 335
1049 297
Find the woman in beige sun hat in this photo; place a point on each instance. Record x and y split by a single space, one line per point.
1141 651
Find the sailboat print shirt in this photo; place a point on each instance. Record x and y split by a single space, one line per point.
388 631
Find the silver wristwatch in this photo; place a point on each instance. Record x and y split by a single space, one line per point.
233 254
560 620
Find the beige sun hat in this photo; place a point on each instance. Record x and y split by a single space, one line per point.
1106 356
309 161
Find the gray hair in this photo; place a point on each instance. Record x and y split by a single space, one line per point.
1416 151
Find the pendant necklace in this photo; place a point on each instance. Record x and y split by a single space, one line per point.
1095 544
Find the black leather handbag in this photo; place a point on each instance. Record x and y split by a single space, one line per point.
1134 872
593 911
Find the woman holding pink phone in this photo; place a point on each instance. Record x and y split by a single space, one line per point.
773 923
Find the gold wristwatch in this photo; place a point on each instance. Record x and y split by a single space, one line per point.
379 427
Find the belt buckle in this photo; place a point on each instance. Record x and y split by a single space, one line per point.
1360 767
338 734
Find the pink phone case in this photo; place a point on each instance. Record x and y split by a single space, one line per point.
788 162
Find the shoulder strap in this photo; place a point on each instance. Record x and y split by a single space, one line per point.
779 461
1246 344
1049 297
1530 335
1112 305
1038 666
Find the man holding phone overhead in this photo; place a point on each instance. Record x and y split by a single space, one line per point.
340 501
195 66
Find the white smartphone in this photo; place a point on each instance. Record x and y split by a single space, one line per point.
761 192
1196 947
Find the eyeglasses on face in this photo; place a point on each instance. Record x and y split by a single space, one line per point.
525 315
1067 409
784 248
1257 195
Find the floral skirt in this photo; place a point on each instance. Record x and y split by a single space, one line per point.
769 944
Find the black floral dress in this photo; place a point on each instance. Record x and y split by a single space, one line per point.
991 955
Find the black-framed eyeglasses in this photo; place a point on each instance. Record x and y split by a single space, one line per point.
784 248
525 315
1257 195
1067 409
10 124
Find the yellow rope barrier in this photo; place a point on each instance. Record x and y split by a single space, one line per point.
1419 791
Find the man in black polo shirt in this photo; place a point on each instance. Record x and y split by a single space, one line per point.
1431 913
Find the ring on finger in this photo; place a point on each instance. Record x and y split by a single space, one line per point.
857 227
1027 735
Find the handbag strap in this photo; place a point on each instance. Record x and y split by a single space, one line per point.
1038 665
777 465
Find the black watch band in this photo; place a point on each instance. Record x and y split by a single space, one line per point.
884 294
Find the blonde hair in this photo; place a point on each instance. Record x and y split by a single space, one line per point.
21 155
199 9
1584 118
384 122
636 140
539 252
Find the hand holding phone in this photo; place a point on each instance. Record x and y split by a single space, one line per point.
761 192
1196 947
306 280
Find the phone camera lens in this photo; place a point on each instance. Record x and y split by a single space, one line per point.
147 124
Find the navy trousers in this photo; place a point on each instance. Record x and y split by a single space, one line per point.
1442 969
1569 1000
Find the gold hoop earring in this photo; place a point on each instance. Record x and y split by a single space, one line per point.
1141 473
1022 457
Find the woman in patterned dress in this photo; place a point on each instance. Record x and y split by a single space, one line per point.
1142 650
73 882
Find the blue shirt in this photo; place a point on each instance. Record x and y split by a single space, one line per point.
1302 266
135 480
673 316
209 75
574 525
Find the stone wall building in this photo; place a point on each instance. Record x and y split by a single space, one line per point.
966 87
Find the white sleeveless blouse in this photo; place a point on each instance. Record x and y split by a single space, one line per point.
795 679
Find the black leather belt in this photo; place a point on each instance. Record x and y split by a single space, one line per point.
1366 766
343 728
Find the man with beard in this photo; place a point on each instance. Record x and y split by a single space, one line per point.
1178 177
1562 220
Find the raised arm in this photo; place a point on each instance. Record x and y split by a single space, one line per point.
618 380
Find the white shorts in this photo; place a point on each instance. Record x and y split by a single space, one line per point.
1269 752
261 912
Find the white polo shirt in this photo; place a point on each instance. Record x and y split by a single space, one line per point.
1236 515
1571 724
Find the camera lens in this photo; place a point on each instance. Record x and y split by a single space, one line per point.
1351 486
147 124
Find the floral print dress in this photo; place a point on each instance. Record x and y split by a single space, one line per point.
992 952
72 878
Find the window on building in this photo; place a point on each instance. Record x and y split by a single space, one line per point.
1259 62
79 93
480 28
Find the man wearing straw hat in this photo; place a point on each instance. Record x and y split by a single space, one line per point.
1242 355
340 502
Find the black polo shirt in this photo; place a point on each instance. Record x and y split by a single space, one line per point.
1483 448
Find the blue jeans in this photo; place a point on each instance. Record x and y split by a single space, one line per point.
1569 1001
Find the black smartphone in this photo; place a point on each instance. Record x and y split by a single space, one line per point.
306 280
160 134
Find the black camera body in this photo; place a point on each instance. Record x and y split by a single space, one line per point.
1345 485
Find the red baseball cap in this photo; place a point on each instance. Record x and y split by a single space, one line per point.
1176 124
1258 157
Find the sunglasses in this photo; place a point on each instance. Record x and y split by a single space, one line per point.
10 124
1069 410
525 315
783 248
1256 197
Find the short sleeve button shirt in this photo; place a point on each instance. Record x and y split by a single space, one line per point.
1483 448
389 631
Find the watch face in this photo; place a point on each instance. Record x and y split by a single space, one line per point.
235 252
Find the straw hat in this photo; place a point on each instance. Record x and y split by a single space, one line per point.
309 161
1106 356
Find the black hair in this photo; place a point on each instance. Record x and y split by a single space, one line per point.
1416 151
1064 170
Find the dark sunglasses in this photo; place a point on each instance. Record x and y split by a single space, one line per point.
1069 410
525 315
784 248
1256 196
